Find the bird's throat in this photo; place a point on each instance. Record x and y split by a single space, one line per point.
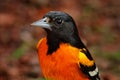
54 41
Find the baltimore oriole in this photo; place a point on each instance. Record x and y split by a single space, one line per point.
62 55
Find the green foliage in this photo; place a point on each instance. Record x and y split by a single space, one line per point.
20 51
113 56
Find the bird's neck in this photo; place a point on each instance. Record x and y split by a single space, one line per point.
54 41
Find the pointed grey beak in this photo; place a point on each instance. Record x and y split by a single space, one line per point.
43 23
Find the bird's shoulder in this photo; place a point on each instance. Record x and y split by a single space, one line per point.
84 59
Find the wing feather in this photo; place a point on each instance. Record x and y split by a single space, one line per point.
87 65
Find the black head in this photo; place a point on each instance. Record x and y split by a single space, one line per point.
60 27
58 24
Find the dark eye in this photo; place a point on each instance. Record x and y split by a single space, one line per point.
58 21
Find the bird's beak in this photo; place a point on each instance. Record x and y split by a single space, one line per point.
43 23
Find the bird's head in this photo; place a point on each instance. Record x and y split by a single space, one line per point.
58 23
60 27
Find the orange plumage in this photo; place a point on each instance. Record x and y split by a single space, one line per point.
62 64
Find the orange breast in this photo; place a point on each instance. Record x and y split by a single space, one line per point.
60 65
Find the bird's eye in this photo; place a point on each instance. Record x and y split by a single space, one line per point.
58 21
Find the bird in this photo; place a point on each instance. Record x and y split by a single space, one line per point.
61 53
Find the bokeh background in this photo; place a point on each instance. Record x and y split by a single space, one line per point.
98 22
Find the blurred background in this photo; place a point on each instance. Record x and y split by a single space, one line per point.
98 22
